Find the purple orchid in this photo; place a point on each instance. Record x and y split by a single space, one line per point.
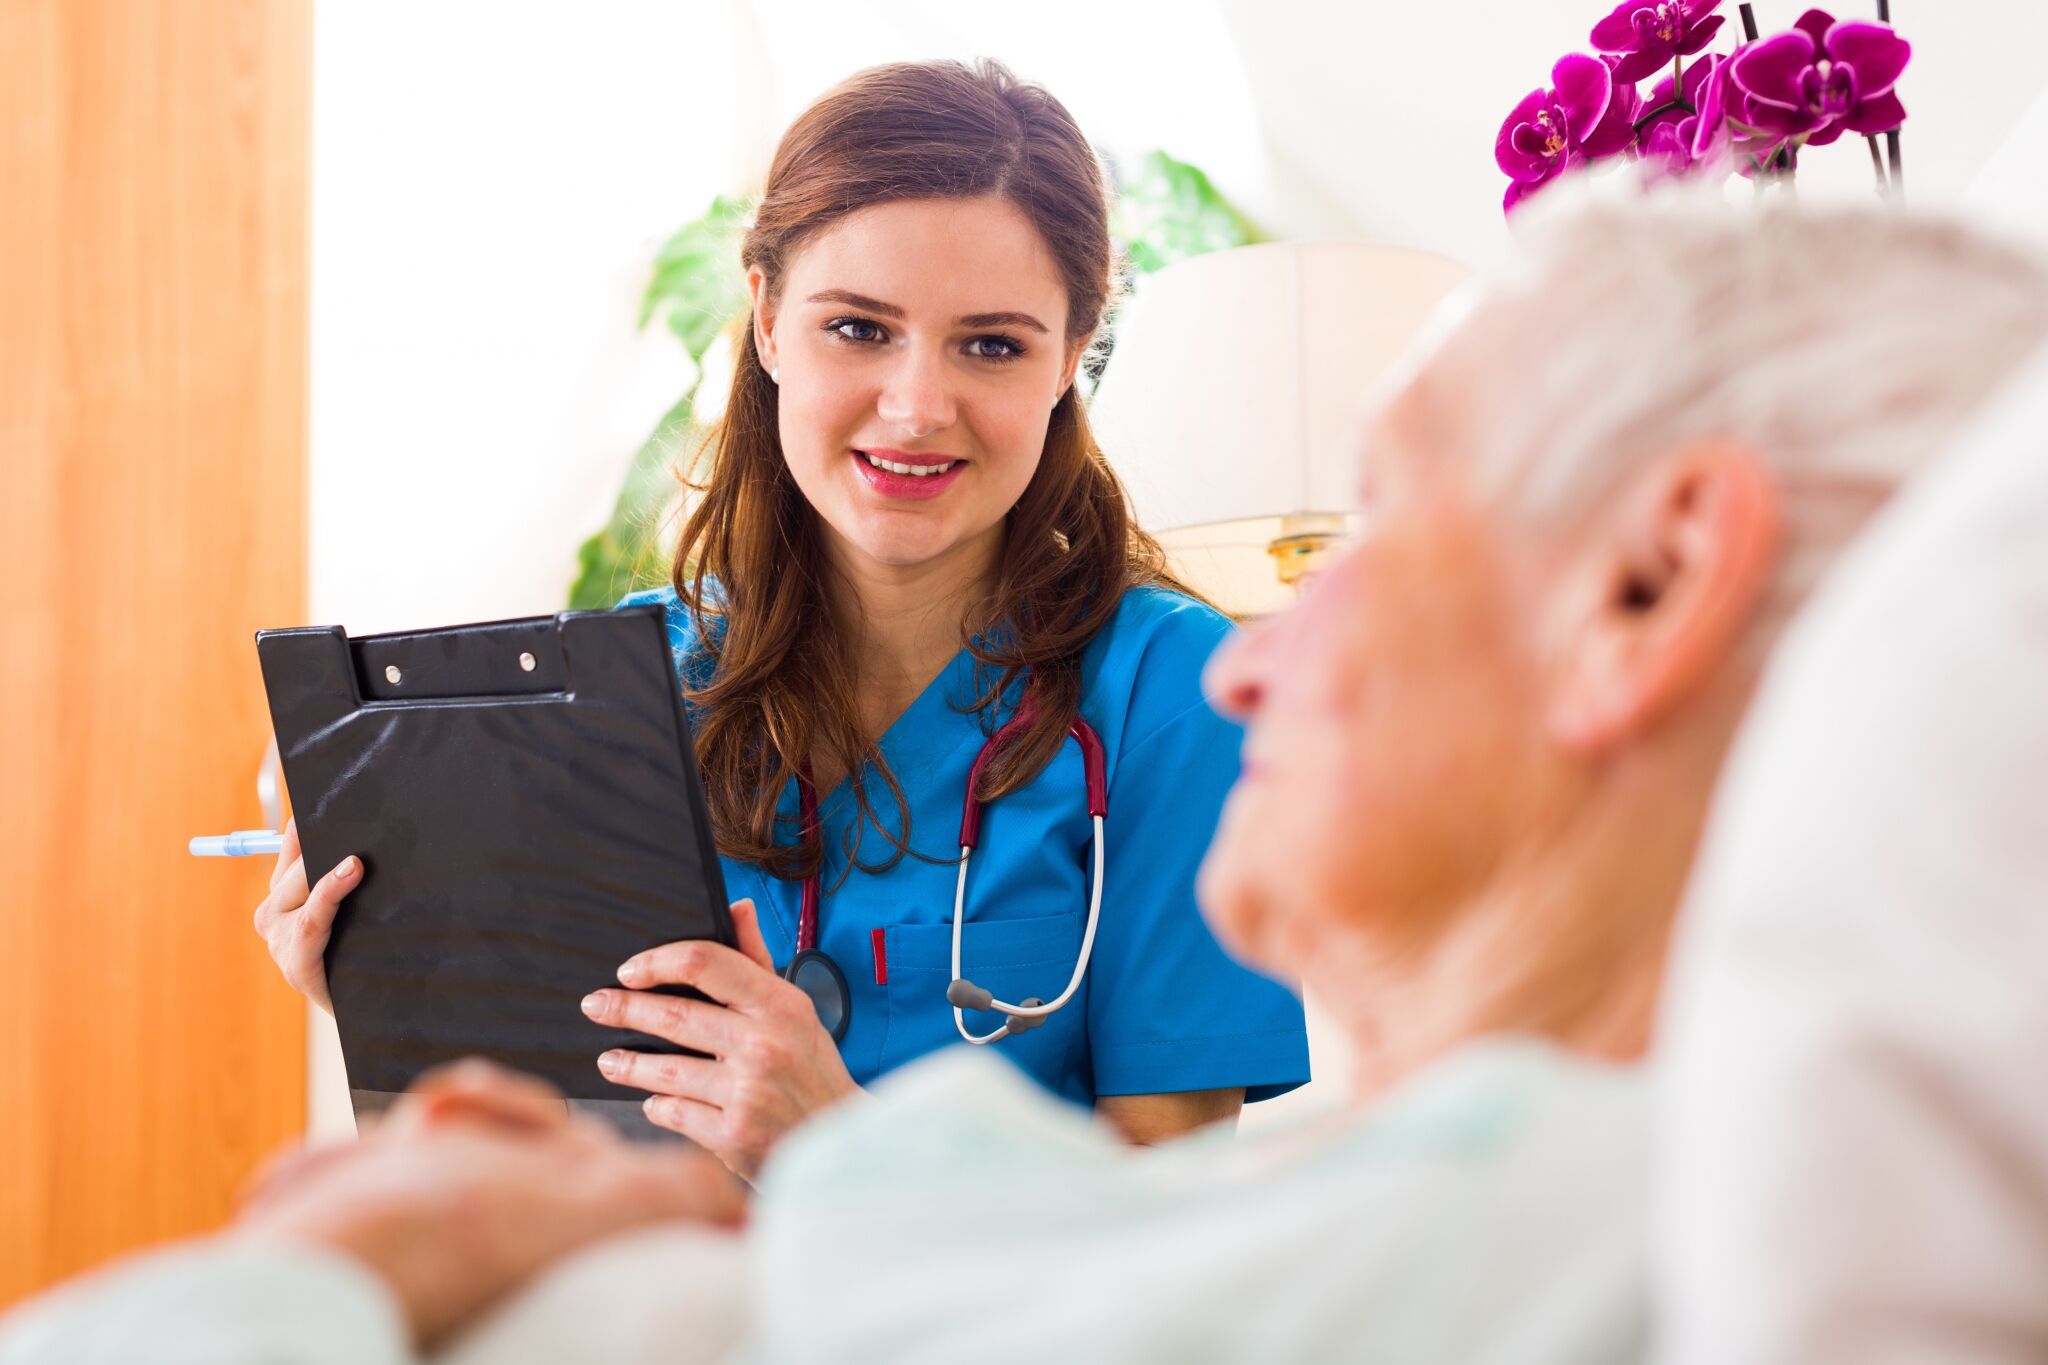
1822 79
1648 34
1727 126
1668 137
1584 114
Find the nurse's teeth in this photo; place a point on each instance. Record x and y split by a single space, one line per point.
916 471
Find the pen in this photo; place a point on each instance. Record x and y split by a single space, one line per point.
243 843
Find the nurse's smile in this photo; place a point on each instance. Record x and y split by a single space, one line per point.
899 474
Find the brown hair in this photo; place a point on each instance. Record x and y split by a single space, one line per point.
780 690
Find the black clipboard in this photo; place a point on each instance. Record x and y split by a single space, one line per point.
526 803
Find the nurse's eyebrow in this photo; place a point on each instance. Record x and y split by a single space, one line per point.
860 301
1004 320
850 299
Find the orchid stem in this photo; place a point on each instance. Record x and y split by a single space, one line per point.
1669 106
1877 165
1749 21
1891 139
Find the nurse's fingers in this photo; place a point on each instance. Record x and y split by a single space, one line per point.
295 924
704 1025
732 978
746 925
287 854
693 1078
701 1123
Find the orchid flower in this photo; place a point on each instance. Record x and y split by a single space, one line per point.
1669 135
1582 115
1822 79
1648 34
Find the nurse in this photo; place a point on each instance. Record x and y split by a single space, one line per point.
906 542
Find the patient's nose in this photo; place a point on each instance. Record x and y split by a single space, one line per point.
1235 679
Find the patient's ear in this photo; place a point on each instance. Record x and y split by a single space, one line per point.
1670 577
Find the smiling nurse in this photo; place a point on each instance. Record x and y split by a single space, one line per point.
907 544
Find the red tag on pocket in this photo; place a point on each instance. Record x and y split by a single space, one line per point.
881 956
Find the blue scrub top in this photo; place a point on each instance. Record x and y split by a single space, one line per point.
1162 1007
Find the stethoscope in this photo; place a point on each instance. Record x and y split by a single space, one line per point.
815 973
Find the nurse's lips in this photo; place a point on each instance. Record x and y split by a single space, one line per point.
909 487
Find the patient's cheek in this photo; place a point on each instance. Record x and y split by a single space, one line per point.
1233 886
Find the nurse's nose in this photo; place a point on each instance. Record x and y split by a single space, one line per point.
917 396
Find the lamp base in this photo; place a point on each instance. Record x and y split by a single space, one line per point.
1304 546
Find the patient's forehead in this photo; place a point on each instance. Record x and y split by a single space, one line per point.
1406 443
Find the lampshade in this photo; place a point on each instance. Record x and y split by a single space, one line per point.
1233 391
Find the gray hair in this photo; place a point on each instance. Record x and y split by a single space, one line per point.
1846 347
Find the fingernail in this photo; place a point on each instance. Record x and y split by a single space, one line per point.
629 971
610 1063
593 1004
347 867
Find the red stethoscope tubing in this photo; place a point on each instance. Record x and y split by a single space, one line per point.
1093 765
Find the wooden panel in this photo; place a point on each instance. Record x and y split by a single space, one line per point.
152 488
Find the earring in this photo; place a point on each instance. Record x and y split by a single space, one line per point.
775 375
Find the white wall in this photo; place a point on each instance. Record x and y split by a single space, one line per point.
1390 110
489 184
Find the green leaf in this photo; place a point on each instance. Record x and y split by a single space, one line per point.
627 554
697 286
1168 211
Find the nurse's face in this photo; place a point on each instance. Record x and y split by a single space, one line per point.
1393 744
921 346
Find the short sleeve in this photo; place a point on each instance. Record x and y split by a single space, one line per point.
1168 1009
692 664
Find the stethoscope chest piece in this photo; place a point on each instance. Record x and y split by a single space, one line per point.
818 976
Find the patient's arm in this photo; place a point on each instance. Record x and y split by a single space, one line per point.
362 1253
1146 1119
220 1300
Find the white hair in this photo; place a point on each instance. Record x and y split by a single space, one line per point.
1846 347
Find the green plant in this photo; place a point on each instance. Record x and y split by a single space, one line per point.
1167 210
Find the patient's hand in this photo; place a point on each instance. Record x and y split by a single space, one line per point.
295 924
474 1183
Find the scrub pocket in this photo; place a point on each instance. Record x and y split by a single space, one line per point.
1010 958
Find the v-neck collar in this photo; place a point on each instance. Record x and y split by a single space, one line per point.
921 734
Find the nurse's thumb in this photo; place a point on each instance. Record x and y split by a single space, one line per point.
746 926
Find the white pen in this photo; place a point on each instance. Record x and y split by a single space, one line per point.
243 843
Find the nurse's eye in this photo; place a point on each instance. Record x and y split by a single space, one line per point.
859 331
996 348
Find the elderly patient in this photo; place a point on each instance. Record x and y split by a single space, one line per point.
1477 757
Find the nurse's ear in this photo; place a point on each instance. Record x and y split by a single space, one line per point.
763 314
1068 370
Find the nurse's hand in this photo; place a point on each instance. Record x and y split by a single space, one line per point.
772 1065
296 924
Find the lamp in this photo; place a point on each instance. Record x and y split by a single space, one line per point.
1228 404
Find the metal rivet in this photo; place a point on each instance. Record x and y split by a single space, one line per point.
391 673
526 662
